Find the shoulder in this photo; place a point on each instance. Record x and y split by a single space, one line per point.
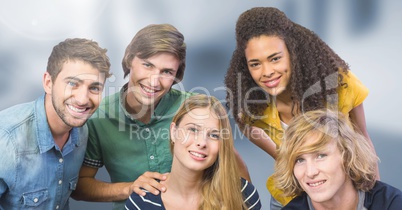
299 202
350 80
250 195
178 94
351 92
383 196
109 101
172 101
16 115
149 201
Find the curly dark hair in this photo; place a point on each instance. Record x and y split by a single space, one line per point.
312 62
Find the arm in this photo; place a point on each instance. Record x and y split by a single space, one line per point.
261 139
359 120
250 195
90 189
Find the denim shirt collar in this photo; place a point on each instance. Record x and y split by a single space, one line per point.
44 135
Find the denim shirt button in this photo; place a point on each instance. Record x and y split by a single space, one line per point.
151 157
35 200
60 181
57 207
60 160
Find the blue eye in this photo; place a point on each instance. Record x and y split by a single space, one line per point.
167 72
147 65
95 89
72 84
320 156
299 160
214 136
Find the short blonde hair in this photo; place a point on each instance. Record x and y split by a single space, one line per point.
359 160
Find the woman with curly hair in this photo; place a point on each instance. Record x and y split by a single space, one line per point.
281 69
328 165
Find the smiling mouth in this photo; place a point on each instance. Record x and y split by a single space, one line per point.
315 184
148 90
272 83
78 110
198 154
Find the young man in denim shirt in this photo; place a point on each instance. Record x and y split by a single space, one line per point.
42 143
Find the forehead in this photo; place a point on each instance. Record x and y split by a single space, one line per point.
81 70
265 42
162 60
316 141
201 116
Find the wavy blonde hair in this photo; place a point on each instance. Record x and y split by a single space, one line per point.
221 187
359 160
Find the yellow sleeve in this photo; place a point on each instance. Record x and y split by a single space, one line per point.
351 95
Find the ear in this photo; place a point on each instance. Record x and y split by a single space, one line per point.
47 83
172 132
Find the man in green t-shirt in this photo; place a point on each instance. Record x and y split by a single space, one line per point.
129 133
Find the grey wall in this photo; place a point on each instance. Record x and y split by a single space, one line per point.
366 33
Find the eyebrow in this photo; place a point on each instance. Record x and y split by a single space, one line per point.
168 69
76 79
163 69
194 124
269 57
199 126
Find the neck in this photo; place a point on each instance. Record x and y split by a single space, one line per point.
183 189
60 131
345 199
140 112
183 181
286 108
285 97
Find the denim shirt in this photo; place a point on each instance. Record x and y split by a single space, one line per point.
34 173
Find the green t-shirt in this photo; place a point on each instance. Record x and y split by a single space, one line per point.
127 147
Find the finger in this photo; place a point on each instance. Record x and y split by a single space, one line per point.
154 175
150 185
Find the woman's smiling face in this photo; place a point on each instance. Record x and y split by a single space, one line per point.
268 62
196 139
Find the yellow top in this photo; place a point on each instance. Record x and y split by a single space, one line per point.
348 97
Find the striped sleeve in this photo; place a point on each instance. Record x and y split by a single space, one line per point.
250 195
147 202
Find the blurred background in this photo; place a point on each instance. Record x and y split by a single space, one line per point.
366 33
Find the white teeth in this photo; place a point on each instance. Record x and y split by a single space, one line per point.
198 154
148 90
272 82
316 184
76 109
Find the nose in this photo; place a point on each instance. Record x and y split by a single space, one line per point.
81 96
201 141
268 71
154 79
311 170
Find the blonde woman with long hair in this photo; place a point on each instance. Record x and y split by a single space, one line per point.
204 172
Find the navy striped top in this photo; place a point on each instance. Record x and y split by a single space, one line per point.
154 202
